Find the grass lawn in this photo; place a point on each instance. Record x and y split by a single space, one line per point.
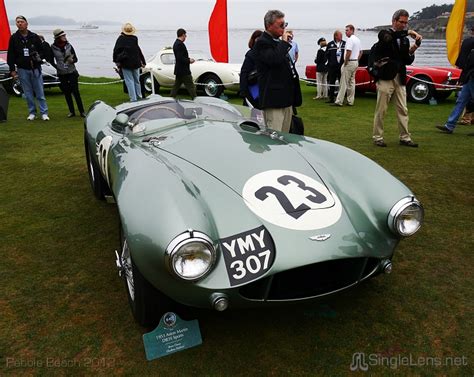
64 309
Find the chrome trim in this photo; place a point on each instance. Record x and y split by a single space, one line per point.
398 208
182 239
320 237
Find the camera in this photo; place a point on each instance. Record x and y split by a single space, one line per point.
418 42
35 57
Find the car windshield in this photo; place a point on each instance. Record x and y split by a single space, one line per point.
189 110
200 56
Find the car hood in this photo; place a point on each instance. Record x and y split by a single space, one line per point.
239 158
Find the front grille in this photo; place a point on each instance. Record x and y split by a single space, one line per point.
312 280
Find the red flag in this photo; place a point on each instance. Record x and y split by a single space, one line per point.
4 27
218 33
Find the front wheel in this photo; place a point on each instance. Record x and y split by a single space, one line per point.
420 91
146 83
211 84
146 302
98 183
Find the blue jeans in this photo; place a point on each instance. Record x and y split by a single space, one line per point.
31 81
132 80
464 97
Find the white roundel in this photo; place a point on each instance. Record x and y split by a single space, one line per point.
291 200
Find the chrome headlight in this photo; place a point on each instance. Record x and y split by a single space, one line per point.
190 256
406 217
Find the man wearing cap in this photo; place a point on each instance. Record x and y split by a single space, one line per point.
63 58
129 58
25 55
349 68
321 70
182 70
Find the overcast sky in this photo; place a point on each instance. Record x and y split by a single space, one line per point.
194 14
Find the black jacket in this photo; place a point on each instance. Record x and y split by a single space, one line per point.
277 77
16 55
247 66
331 54
127 53
181 66
465 60
321 61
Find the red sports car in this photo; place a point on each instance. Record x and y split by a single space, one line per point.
423 83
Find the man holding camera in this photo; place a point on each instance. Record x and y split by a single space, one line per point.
25 55
397 55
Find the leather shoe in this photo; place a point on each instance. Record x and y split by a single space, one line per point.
408 143
330 101
444 129
335 104
380 143
70 115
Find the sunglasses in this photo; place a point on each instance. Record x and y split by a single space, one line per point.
283 25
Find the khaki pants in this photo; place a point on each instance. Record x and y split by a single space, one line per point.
347 85
278 119
388 90
322 85
188 84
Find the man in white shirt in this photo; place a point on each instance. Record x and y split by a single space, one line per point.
349 68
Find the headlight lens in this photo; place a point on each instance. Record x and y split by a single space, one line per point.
406 217
190 256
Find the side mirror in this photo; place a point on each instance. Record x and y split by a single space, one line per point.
120 122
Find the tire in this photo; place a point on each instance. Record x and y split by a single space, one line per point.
98 183
211 85
420 91
443 94
146 302
145 80
16 88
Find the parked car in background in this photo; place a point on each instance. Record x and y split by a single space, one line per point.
14 87
210 77
217 211
422 84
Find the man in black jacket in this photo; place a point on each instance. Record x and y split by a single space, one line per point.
465 61
279 89
25 55
181 67
335 58
399 54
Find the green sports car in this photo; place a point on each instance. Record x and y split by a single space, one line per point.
219 211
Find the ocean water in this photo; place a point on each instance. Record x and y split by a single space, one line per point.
94 46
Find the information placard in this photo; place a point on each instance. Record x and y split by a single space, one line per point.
171 335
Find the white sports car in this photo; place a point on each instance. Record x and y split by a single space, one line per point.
210 77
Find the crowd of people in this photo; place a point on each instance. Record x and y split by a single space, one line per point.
268 81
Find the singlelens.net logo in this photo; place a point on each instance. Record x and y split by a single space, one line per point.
362 361
358 362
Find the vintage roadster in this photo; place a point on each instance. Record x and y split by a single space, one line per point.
211 77
218 211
